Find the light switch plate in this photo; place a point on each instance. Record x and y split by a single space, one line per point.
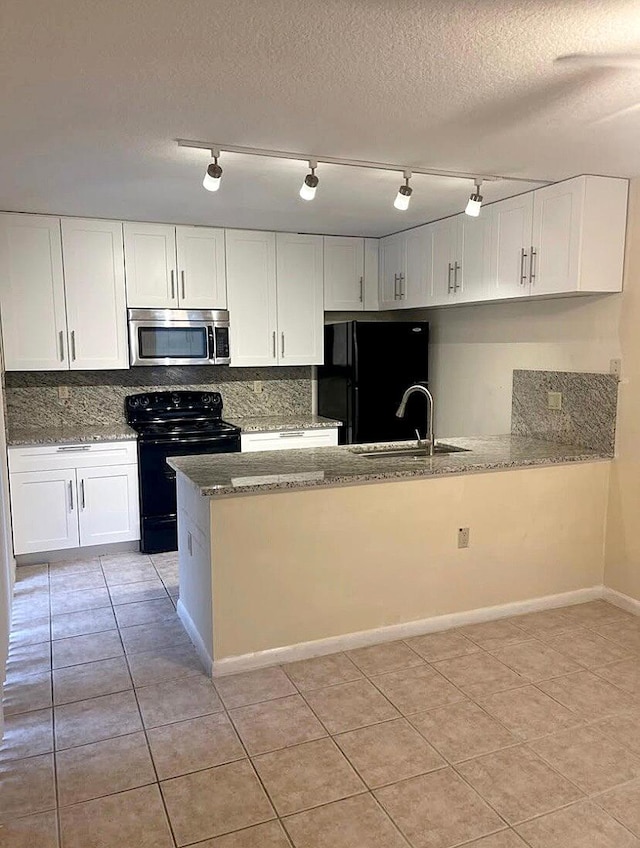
257 387
463 537
615 367
554 400
64 392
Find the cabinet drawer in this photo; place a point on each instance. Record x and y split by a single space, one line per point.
54 457
287 439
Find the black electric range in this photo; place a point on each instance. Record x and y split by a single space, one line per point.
172 424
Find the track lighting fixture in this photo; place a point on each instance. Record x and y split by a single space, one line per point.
403 197
310 183
475 201
213 174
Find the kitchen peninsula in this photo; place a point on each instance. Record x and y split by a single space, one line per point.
288 554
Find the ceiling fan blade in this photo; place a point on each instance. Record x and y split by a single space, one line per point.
619 113
600 60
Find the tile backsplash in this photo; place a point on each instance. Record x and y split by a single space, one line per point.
97 397
588 414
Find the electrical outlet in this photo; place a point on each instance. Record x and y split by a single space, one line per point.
554 400
615 367
463 537
257 387
64 392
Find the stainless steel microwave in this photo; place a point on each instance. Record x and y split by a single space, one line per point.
178 337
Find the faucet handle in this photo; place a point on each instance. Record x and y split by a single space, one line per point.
417 432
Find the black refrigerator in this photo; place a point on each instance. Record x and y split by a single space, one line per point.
367 367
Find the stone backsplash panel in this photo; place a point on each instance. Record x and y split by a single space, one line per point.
588 415
97 397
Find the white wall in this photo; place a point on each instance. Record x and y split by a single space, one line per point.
475 349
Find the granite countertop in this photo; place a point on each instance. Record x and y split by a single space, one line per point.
254 473
29 436
270 423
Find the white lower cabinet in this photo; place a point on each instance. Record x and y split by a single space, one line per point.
44 511
108 504
286 439
70 496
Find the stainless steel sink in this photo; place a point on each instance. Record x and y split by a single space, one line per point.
409 452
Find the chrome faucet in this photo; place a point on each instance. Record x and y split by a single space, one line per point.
430 436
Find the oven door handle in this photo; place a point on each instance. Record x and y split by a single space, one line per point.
212 344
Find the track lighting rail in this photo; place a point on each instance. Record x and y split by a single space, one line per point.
352 163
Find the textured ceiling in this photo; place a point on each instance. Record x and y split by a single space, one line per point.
95 92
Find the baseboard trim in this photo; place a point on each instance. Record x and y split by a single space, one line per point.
363 638
193 634
625 602
69 554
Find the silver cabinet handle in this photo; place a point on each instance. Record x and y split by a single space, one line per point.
73 345
532 273
292 434
457 267
449 283
173 285
82 500
282 345
182 280
71 448
523 273
275 353
361 289
395 286
403 291
71 495
61 340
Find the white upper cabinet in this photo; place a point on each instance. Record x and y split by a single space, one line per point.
416 284
34 326
511 235
344 289
446 265
371 274
472 255
561 239
299 273
251 281
393 260
201 268
151 265
95 294
578 236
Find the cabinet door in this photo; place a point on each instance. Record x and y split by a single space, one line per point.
343 274
472 254
372 274
393 259
34 327
108 504
150 256
202 282
416 288
251 287
44 511
555 250
300 299
511 233
96 300
444 234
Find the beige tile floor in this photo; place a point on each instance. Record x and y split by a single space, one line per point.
521 732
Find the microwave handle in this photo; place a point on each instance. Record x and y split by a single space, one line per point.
212 344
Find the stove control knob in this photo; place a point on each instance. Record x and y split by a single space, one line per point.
207 399
144 401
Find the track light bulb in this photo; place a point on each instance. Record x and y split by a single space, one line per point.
213 176
403 197
475 202
310 184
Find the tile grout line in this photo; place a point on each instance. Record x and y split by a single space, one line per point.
144 728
